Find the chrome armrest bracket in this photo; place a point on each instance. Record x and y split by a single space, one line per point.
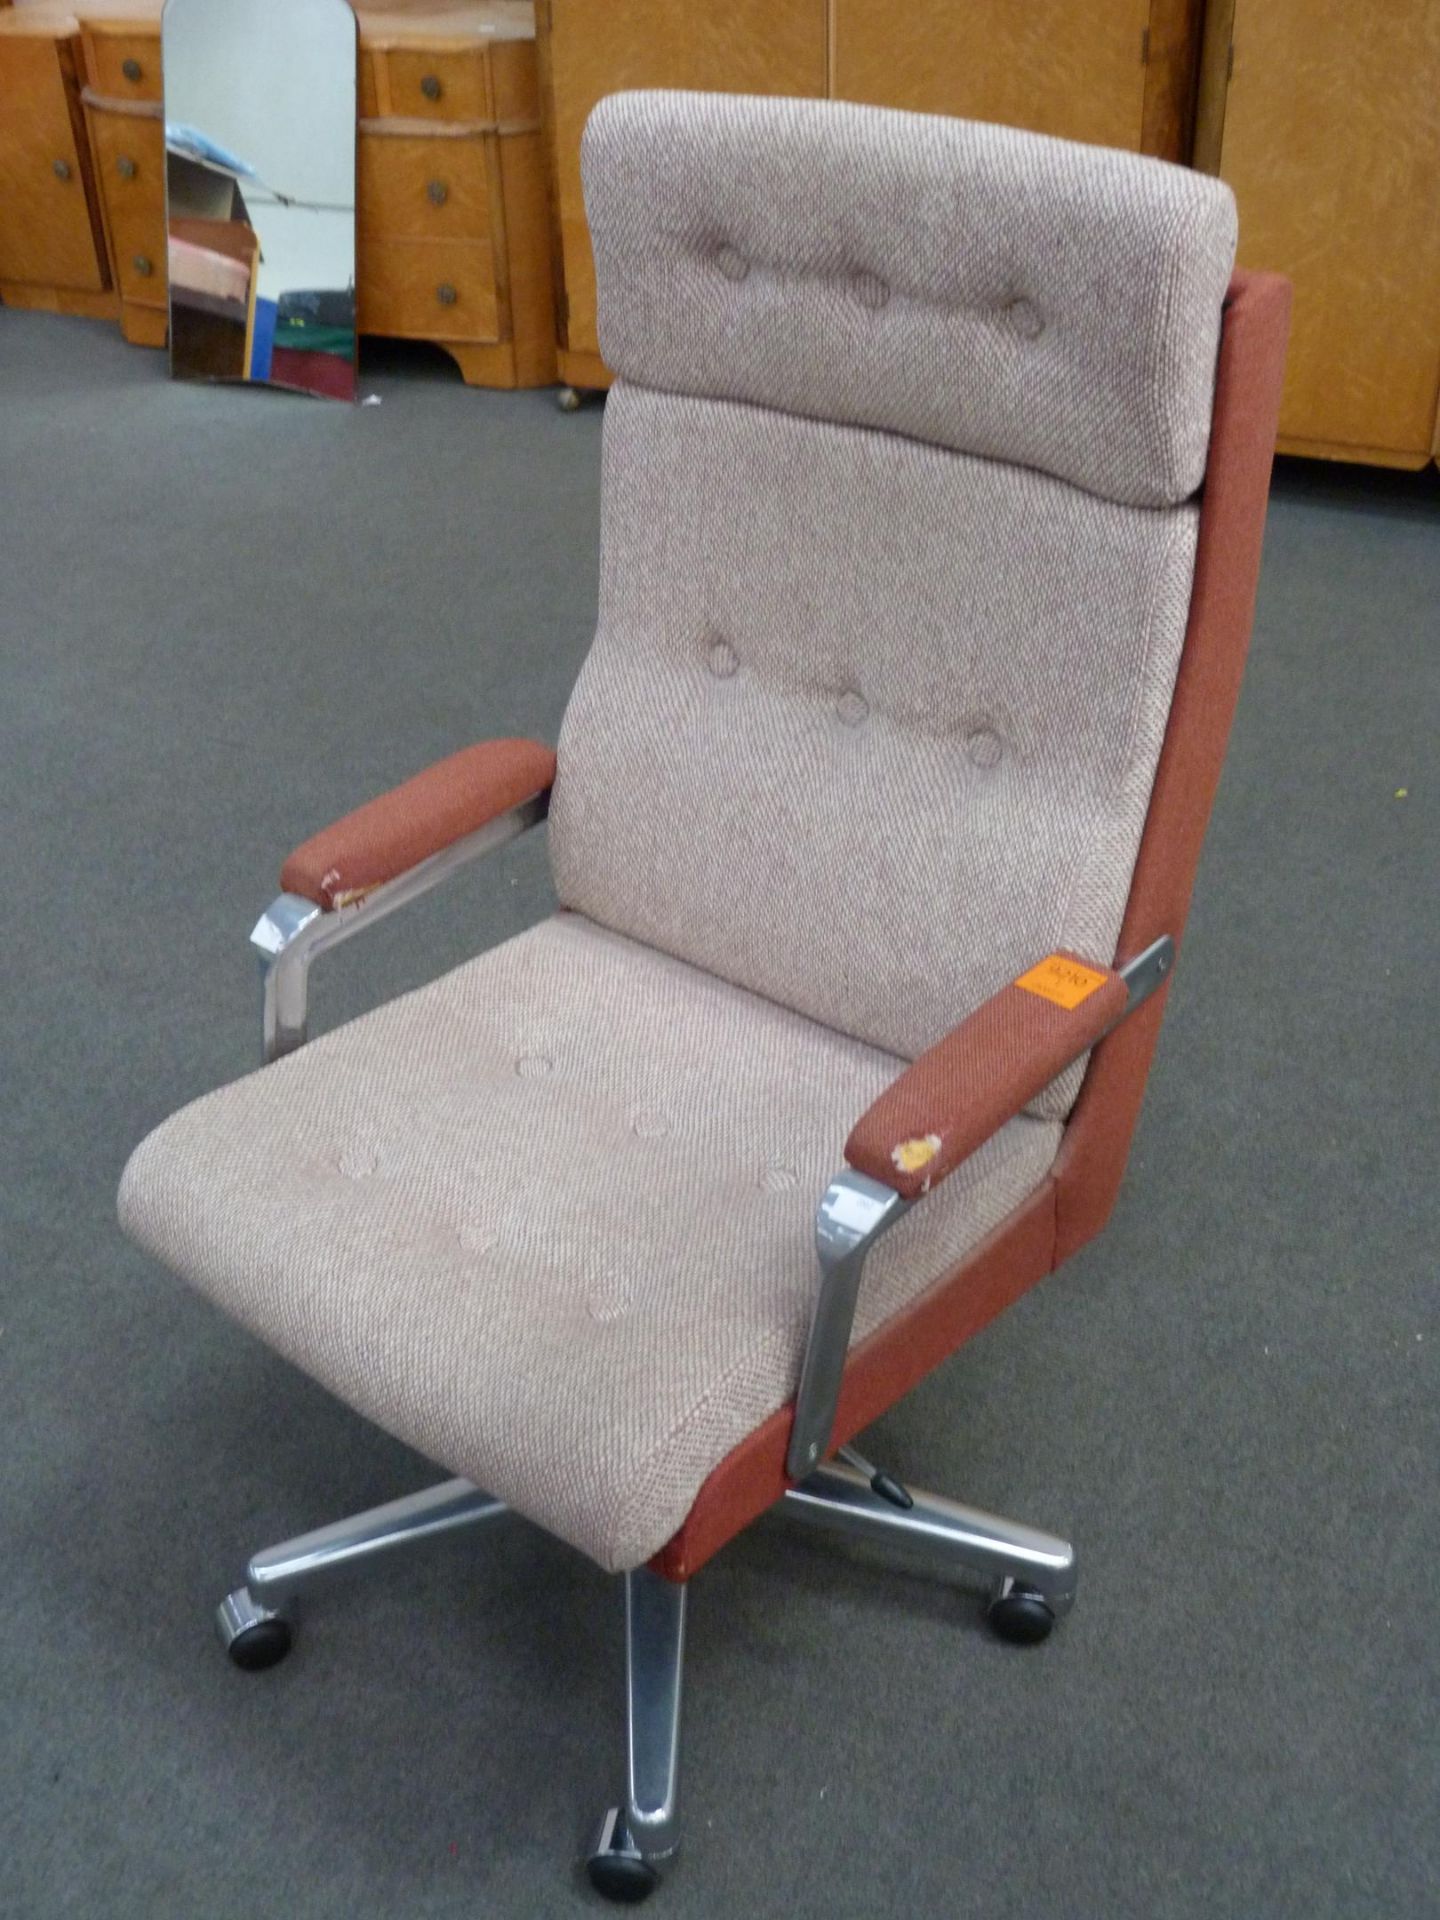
293 931
854 1213
1147 972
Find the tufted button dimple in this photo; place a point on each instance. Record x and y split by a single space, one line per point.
776 1179
358 1162
476 1238
985 747
534 1066
723 659
609 1289
650 1124
1024 317
870 290
733 265
852 708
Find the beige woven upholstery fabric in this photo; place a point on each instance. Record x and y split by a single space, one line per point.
550 1219
868 726
993 291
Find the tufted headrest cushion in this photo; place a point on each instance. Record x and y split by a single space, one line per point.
1000 293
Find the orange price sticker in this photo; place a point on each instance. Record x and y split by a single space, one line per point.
1064 981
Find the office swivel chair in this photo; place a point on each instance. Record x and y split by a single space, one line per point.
934 485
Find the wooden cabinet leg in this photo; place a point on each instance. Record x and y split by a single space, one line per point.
482 366
144 326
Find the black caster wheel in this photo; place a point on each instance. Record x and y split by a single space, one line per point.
616 1869
253 1637
260 1646
1021 1616
622 1877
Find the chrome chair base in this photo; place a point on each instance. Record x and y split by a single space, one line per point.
939 1534
1031 1578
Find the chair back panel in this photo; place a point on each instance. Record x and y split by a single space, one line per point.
872 717
867 725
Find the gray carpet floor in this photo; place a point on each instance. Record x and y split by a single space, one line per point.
228 617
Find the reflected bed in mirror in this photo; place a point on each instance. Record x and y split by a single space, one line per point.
260 190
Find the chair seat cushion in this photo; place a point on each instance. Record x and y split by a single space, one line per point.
550 1219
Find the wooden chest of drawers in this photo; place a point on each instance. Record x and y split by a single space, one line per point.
452 219
125 118
52 241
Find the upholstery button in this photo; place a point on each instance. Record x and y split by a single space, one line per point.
851 708
733 265
357 1163
650 1125
985 747
723 660
1024 318
779 1179
477 1238
870 290
534 1066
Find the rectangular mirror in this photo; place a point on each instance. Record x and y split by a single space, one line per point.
260 191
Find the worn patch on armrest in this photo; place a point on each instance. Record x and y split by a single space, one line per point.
1062 980
911 1155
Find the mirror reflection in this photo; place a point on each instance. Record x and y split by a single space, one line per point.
260 178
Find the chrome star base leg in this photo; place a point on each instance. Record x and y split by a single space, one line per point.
1031 1575
252 1622
633 1838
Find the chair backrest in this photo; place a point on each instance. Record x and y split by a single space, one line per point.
897 545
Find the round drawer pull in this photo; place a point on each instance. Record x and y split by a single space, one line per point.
130 69
439 193
446 294
125 167
430 87
61 169
142 266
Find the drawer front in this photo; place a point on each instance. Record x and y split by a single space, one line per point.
46 238
436 86
130 166
419 189
124 66
429 289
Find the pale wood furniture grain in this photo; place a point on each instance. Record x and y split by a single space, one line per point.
1119 72
1326 122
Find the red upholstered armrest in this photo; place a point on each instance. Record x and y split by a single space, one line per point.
964 1088
386 837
